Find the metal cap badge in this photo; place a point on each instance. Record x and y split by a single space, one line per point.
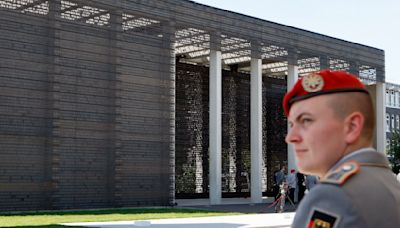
312 83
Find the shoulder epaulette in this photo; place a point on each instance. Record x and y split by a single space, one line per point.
340 175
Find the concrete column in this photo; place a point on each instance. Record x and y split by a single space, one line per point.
354 68
380 112
291 80
256 130
377 93
215 126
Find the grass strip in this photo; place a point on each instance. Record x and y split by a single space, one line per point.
49 219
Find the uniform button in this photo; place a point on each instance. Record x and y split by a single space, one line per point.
346 168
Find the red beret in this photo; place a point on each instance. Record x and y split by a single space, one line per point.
322 82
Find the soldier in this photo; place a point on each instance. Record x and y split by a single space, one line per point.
331 119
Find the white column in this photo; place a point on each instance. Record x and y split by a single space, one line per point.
380 113
291 80
256 130
215 127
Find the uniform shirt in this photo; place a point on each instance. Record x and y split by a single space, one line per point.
292 180
369 198
280 177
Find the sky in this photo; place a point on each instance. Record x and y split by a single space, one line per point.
374 23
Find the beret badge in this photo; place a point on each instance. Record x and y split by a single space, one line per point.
312 83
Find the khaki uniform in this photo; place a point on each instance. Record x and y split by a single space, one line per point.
359 191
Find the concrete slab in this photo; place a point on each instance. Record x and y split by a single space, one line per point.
235 221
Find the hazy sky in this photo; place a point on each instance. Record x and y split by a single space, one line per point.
369 22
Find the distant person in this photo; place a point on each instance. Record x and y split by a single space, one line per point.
331 120
301 186
279 178
311 181
292 183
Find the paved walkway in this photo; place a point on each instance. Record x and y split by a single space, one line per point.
234 205
264 217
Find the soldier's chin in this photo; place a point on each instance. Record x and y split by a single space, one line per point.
304 170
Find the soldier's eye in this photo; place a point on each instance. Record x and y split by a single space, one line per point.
306 120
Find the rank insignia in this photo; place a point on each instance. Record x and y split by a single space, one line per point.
321 219
340 175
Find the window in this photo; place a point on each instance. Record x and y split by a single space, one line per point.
397 122
387 122
387 97
398 99
393 127
387 144
392 98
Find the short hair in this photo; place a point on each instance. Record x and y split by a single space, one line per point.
343 104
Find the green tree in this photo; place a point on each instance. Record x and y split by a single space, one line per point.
394 152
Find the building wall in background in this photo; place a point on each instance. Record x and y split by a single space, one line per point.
392 110
85 114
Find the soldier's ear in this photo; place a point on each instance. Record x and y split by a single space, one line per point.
354 124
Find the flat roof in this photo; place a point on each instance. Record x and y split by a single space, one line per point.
197 28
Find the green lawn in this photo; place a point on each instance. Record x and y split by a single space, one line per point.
51 218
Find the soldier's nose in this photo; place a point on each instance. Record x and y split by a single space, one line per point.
292 136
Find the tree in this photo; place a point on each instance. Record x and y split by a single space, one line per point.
394 152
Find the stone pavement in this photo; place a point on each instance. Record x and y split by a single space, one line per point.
264 217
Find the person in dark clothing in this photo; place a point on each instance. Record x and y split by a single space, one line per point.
301 186
279 177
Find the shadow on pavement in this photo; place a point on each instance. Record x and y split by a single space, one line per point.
47 226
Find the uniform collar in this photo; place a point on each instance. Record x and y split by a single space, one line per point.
364 155
357 153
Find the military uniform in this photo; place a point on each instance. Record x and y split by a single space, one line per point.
359 191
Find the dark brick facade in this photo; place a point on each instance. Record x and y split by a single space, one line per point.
85 115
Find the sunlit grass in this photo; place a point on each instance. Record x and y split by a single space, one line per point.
49 219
